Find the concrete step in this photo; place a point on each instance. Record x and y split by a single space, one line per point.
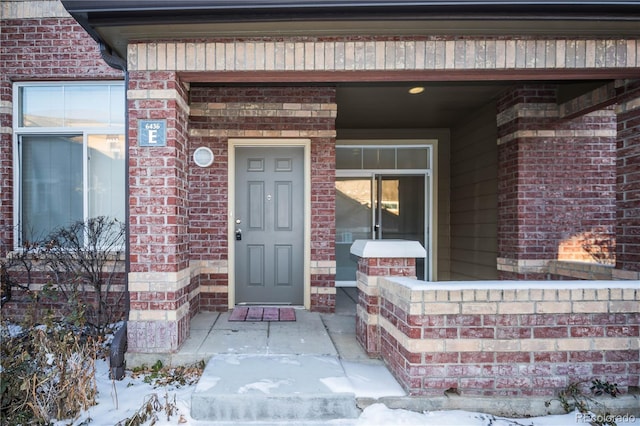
272 388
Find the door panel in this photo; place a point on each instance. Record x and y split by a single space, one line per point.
284 206
255 207
255 261
283 260
401 211
269 220
354 214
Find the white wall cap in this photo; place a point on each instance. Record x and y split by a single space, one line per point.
388 248
419 285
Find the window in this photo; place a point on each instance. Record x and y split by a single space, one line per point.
69 155
382 157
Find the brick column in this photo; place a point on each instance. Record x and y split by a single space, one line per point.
628 181
379 258
556 184
159 280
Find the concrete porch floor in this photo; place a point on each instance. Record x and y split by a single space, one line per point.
211 333
312 334
309 369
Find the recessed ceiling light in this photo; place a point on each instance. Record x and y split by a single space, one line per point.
416 90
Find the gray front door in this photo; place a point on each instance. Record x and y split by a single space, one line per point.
269 225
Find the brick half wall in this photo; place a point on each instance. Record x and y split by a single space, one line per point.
507 338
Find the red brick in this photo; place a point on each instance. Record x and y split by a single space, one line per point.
587 331
550 332
513 382
611 368
439 333
622 356
467 384
513 357
464 370
477 333
586 356
616 331
553 357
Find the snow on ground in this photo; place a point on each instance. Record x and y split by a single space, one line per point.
365 381
118 400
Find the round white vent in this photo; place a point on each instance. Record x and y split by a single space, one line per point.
203 156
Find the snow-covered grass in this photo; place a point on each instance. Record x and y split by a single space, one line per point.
119 400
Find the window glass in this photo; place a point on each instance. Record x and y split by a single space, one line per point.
72 105
70 155
106 176
380 158
383 157
413 158
86 106
349 158
41 106
51 178
117 104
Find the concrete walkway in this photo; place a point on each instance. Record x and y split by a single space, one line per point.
302 372
211 333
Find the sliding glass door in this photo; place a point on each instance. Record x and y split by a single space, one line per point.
389 205
400 211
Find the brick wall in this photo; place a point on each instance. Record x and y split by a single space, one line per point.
220 113
496 338
556 184
518 339
504 339
30 304
43 49
628 181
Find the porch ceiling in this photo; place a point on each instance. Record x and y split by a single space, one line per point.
441 105
390 106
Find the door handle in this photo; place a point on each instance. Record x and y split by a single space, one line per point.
238 234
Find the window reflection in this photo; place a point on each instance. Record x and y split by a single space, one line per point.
77 106
106 176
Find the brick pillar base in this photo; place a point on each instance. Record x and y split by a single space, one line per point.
367 311
379 258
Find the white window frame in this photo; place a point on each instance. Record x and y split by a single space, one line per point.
85 132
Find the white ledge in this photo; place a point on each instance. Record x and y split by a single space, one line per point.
419 285
388 248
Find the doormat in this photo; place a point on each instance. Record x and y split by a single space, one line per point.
256 314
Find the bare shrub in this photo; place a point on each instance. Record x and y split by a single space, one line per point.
48 374
77 271
85 262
